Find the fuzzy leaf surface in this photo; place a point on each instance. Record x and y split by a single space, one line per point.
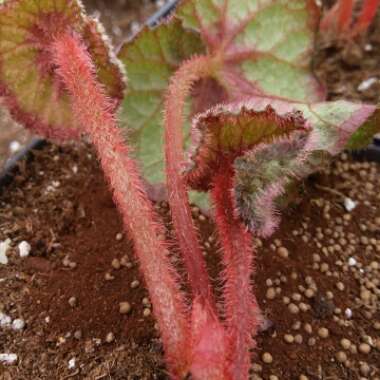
33 92
229 131
261 177
150 60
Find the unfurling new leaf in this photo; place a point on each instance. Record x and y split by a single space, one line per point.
229 131
261 177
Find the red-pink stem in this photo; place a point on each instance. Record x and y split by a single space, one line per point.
339 17
209 344
346 8
92 110
241 308
179 89
366 16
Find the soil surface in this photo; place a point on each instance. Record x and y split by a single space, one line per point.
317 279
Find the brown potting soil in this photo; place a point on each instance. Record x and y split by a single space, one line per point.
70 288
317 279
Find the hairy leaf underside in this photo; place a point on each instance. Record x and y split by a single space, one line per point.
261 177
33 92
263 49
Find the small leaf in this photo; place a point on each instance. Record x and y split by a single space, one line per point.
341 124
150 60
335 125
261 177
362 136
229 131
33 92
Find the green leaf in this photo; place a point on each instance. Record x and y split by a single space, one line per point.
335 125
256 58
150 60
363 136
33 92
266 46
341 124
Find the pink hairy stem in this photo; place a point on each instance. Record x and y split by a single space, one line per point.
366 16
92 108
346 8
242 311
180 87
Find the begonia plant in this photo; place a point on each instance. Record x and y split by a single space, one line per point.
221 98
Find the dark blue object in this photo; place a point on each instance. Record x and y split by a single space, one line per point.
162 13
11 166
371 153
